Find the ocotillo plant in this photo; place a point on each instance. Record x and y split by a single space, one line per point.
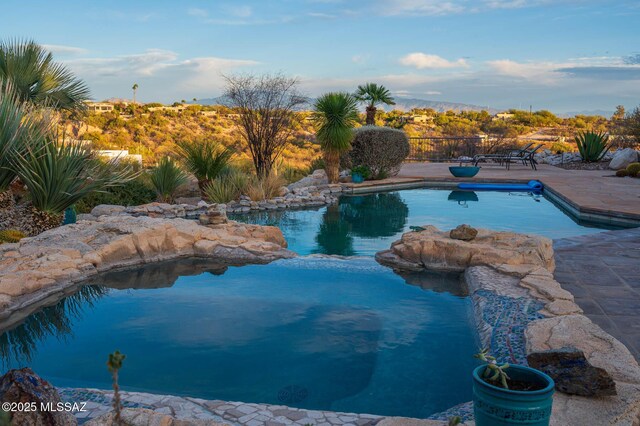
493 372
114 363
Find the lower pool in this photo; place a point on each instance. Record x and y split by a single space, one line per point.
366 224
317 333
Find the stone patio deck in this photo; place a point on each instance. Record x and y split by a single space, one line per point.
589 194
601 270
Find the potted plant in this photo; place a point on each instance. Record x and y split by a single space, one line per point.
524 396
359 174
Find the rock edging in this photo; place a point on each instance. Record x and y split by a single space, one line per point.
39 266
523 313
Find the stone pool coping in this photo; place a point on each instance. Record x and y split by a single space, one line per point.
40 268
521 310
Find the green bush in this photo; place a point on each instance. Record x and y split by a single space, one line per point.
560 148
132 193
592 146
381 149
622 173
633 169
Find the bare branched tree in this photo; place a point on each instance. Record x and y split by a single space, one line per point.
267 113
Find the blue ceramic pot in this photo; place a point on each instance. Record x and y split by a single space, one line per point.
464 171
357 178
496 406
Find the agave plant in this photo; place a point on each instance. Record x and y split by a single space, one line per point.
335 115
372 95
19 124
166 178
205 159
37 79
592 146
59 174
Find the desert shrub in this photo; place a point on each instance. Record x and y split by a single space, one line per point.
132 193
622 173
633 169
230 184
265 188
560 148
292 174
592 146
317 163
381 149
11 236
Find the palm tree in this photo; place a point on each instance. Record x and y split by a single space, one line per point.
135 89
335 115
35 78
373 94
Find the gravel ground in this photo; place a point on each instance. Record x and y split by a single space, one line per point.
601 165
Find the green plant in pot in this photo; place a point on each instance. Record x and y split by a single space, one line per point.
359 174
510 394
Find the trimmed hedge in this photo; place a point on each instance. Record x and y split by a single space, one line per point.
381 149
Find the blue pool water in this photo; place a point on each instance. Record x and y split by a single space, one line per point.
315 333
365 224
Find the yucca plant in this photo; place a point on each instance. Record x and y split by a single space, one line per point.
592 146
57 175
37 79
335 115
205 159
166 178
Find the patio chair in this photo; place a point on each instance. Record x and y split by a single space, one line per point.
501 157
525 156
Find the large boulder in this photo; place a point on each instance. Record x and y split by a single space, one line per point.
577 331
107 209
622 158
317 178
433 249
24 386
572 372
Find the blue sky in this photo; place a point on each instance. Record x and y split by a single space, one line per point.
562 55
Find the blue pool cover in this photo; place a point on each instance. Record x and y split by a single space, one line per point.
532 185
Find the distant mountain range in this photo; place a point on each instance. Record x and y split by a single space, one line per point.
407 104
404 104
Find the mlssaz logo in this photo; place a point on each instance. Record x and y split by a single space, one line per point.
292 394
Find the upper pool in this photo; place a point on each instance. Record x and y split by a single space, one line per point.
365 224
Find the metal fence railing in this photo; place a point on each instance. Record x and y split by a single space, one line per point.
445 148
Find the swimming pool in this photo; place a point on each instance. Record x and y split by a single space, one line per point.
330 334
366 224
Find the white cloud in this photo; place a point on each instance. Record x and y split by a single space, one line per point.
541 72
419 7
160 73
432 93
61 50
241 11
359 59
425 61
195 11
